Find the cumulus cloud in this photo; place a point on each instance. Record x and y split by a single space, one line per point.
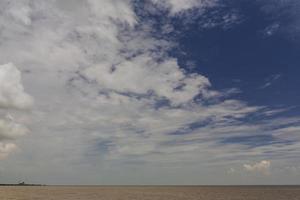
12 94
12 97
261 167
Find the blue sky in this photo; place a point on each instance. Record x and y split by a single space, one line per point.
150 92
263 65
255 53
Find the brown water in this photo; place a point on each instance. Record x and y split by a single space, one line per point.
150 193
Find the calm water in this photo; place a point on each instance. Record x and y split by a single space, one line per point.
150 193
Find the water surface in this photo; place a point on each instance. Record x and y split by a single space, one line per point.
150 193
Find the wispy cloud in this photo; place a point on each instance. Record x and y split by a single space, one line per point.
271 29
270 80
178 6
285 16
107 91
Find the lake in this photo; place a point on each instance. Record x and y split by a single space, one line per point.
150 193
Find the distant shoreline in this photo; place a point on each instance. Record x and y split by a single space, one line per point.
150 185
22 185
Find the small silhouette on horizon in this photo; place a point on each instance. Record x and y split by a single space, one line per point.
21 184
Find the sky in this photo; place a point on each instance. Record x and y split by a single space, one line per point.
115 92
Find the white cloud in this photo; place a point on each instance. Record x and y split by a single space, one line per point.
19 12
108 83
6 149
12 94
113 9
101 83
270 80
12 97
10 130
261 167
271 29
177 6
143 75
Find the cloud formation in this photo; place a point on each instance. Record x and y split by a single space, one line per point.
143 75
12 94
177 6
261 167
12 97
6 149
107 92
10 130
285 17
